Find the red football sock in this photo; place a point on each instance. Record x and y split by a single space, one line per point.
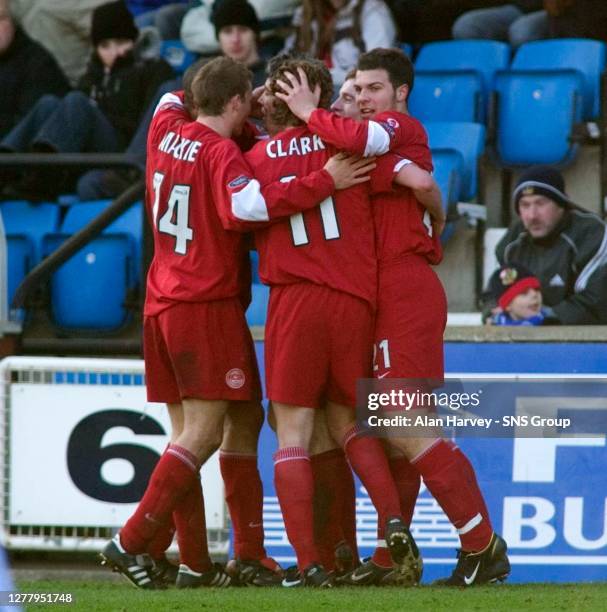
447 480
244 496
329 492
471 476
407 481
368 459
192 529
381 554
163 537
170 480
294 484
348 516
162 540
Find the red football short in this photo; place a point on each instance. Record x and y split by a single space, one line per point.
200 350
410 323
318 343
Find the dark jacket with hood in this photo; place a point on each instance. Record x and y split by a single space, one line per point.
126 90
571 264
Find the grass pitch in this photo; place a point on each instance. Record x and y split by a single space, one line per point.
102 596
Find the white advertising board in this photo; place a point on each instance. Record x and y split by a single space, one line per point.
78 454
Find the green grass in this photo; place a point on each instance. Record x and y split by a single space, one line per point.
91 596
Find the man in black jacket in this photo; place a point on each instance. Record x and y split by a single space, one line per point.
104 112
27 71
562 244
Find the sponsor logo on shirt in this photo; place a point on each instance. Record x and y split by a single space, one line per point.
390 126
235 378
238 181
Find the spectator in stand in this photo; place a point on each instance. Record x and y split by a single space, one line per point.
562 244
524 21
338 31
515 22
103 114
518 295
27 71
165 16
237 30
63 27
198 33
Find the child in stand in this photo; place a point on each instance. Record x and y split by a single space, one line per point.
518 296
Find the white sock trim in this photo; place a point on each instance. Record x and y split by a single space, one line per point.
183 568
425 452
471 524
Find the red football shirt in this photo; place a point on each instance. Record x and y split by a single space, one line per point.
402 224
198 187
331 245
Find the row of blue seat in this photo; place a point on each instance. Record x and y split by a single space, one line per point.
108 268
454 78
90 290
549 87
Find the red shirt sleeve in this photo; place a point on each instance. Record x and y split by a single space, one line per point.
243 204
383 175
374 137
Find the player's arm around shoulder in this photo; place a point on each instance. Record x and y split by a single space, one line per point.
367 138
425 189
245 205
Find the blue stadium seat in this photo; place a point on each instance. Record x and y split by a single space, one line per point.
536 112
176 55
129 223
483 57
447 96
19 262
30 220
25 224
102 272
258 309
466 138
448 172
584 55
90 289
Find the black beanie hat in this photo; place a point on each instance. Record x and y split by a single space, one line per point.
112 20
234 12
541 180
508 282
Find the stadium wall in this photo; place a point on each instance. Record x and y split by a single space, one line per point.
79 438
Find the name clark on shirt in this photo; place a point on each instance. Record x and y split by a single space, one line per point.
297 146
179 147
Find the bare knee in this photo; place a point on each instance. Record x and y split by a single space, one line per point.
294 425
242 426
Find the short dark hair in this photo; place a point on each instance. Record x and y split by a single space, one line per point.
393 61
217 82
317 74
187 80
